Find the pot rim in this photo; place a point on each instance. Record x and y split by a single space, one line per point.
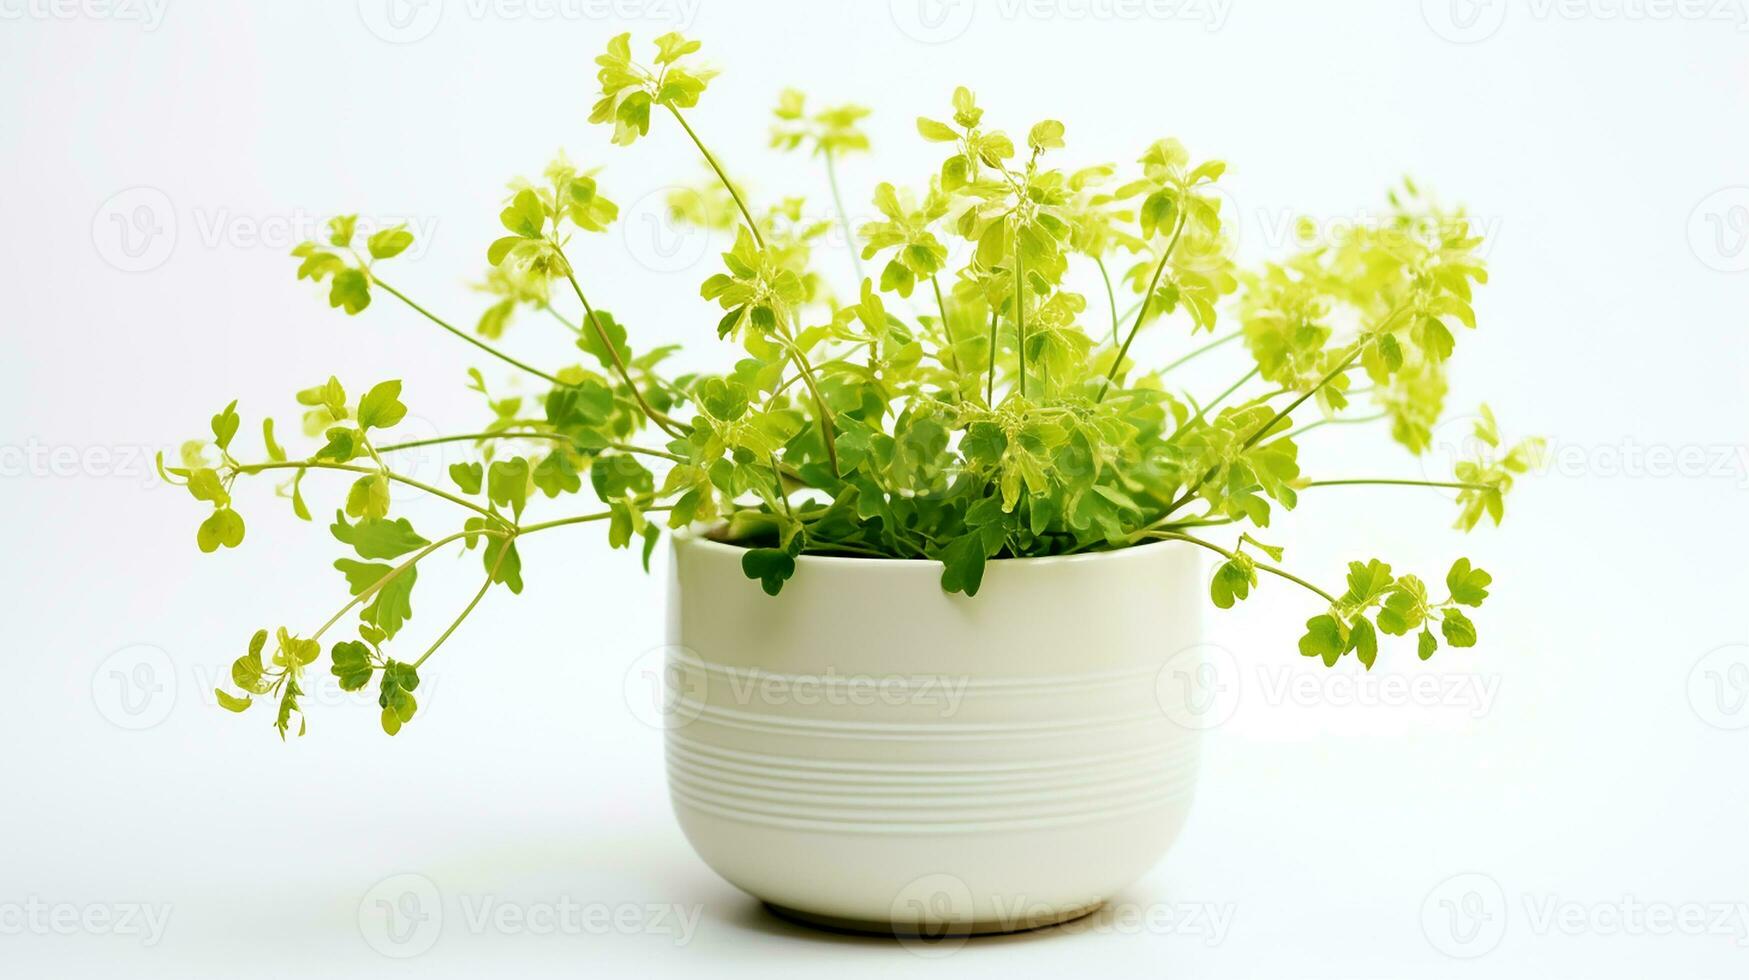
696 537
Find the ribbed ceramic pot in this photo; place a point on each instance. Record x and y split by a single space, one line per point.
866 751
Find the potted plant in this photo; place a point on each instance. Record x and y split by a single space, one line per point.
934 539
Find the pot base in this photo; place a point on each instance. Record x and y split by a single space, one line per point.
890 930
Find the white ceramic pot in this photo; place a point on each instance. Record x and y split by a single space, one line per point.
866 751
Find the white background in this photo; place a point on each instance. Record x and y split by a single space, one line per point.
1584 759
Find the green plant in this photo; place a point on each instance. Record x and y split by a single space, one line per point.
1005 420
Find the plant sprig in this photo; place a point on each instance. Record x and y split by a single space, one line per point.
1005 421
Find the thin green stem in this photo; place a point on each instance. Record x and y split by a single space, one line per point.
368 471
492 573
1142 310
470 338
1264 429
1309 426
1271 569
1020 310
990 377
394 573
752 226
1235 386
947 331
1229 338
843 216
1110 296
491 576
554 436
582 519
666 424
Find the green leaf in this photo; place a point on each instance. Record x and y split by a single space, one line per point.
377 538
525 217
1469 586
556 474
1457 628
205 484
381 407
1363 641
390 242
225 425
962 564
350 290
590 340
1046 135
771 566
1323 639
369 497
275 452
1232 582
1367 582
1425 646
936 132
722 400
341 228
224 528
467 476
230 703
392 604
1405 608
351 664
507 483
508 571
